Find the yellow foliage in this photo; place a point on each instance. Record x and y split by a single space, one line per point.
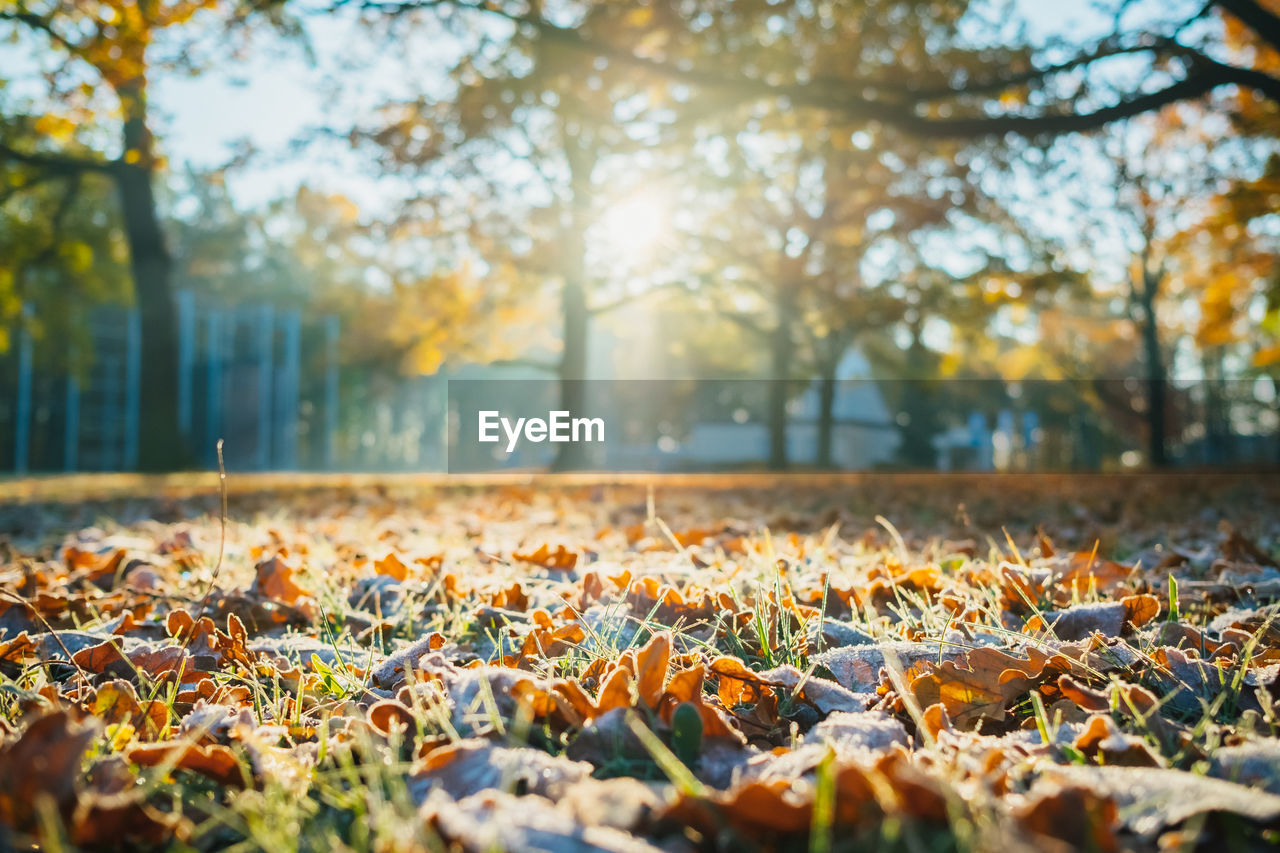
58 128
1267 356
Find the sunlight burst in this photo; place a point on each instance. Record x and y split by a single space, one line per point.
633 227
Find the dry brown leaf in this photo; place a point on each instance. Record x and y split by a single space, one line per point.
215 761
559 558
981 685
1103 739
1150 799
44 761
117 702
392 567
1086 697
473 766
1074 814
1140 609
274 580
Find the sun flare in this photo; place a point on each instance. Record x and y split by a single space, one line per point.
634 226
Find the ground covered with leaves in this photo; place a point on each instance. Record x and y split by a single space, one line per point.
914 663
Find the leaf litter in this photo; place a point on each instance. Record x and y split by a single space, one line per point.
1013 664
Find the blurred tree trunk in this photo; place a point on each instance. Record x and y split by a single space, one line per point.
781 356
832 348
917 402
826 414
1217 419
1275 405
573 366
161 444
573 302
1146 286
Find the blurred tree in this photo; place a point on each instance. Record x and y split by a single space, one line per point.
62 250
800 206
1245 223
401 308
1137 204
520 157
97 59
1006 85
554 104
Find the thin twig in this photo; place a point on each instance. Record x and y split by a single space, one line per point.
17 599
213 578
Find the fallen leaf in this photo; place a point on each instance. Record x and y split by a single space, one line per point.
215 761
391 566
980 685
561 558
43 762
1151 799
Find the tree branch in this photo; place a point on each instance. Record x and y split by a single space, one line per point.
549 367
597 310
745 321
1252 14
35 22
1206 76
64 164
1106 50
31 183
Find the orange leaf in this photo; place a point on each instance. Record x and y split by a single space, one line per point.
275 581
979 686
561 558
42 763
1140 609
651 668
615 692
214 761
391 566
388 713
117 702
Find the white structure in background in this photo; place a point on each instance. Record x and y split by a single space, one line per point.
864 434
977 447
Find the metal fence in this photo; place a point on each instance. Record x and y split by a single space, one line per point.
266 379
271 381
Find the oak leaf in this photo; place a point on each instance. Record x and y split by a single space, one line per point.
981 685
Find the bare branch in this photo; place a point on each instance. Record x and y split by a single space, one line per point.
1262 21
746 321
56 163
597 310
900 109
44 25
1107 49
1207 75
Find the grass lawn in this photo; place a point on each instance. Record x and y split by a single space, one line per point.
737 662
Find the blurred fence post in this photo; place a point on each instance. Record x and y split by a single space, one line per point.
133 378
266 351
22 424
1030 435
71 425
213 384
287 395
980 441
186 357
110 409
1008 441
331 391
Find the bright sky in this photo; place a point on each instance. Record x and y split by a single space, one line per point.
270 100
271 97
